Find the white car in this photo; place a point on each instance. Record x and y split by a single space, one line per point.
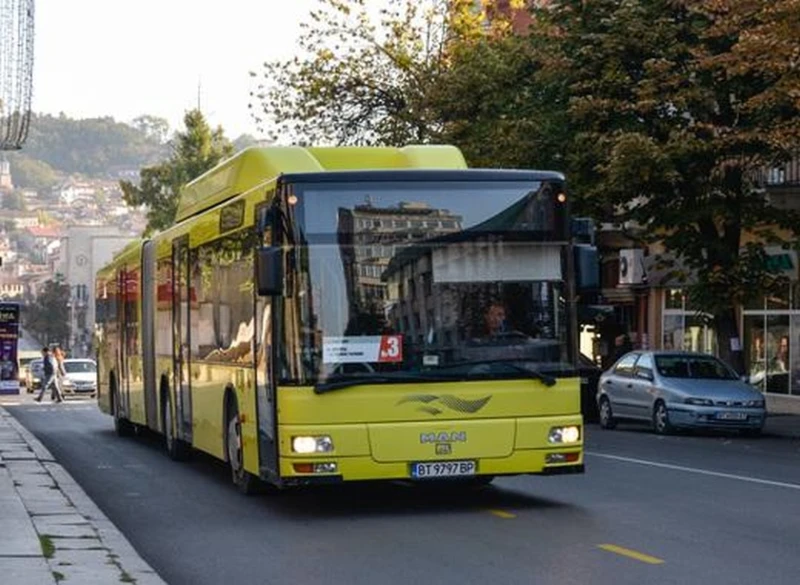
81 378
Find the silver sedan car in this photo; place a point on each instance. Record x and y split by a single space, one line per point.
678 390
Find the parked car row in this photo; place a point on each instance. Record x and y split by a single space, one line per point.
678 390
80 379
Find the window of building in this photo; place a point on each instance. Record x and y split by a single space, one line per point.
684 328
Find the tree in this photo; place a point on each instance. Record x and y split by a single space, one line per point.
30 173
152 127
47 316
364 78
678 105
13 201
194 151
499 103
91 146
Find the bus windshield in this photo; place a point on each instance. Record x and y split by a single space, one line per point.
455 279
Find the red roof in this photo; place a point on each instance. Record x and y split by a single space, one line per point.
47 231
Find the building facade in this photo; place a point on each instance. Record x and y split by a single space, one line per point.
84 250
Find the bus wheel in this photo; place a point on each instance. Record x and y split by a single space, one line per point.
123 426
176 449
246 482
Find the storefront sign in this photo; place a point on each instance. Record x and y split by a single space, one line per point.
9 338
782 261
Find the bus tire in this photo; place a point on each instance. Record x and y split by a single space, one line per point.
123 426
176 449
246 482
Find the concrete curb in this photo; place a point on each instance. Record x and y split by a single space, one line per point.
126 557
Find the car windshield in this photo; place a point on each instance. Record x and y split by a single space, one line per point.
695 367
79 367
398 278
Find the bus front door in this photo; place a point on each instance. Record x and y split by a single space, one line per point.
181 350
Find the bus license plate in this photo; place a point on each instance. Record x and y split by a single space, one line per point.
443 469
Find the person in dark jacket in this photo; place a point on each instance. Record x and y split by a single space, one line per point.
49 373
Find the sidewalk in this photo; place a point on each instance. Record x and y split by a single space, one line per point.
50 531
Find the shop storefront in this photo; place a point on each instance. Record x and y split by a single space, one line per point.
770 330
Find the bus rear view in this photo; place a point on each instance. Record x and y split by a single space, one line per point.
422 326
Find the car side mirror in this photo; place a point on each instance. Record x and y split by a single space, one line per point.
644 375
269 271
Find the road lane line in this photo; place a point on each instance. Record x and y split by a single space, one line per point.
502 514
769 482
632 554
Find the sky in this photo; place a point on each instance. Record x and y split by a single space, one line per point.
123 59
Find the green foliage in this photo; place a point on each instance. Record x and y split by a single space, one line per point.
363 78
495 103
91 146
194 151
152 127
47 317
30 173
675 114
13 201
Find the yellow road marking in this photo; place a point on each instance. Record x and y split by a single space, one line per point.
626 552
502 514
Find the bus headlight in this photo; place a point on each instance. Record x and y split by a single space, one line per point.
564 435
305 445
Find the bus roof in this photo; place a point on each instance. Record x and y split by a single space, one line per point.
258 165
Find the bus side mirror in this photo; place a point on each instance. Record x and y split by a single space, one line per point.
269 271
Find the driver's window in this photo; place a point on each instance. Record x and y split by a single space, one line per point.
644 367
625 365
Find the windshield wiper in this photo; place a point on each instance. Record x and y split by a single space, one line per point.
346 382
547 379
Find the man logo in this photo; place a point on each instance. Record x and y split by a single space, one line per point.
443 437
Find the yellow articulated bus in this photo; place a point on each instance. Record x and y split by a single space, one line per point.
336 314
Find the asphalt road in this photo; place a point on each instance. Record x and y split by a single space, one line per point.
655 510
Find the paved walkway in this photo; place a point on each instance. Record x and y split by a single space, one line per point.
50 531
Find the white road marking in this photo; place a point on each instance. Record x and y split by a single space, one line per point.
782 484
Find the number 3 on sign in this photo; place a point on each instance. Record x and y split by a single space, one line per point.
391 348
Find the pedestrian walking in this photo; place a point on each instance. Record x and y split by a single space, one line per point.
61 372
49 373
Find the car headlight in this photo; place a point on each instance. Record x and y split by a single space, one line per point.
67 383
755 403
306 444
699 401
563 435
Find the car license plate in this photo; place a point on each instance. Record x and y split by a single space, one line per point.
443 469
732 416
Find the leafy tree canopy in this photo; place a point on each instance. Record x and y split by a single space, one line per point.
92 146
364 75
676 107
13 201
30 173
47 317
194 151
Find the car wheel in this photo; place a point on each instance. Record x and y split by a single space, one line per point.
607 420
661 422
